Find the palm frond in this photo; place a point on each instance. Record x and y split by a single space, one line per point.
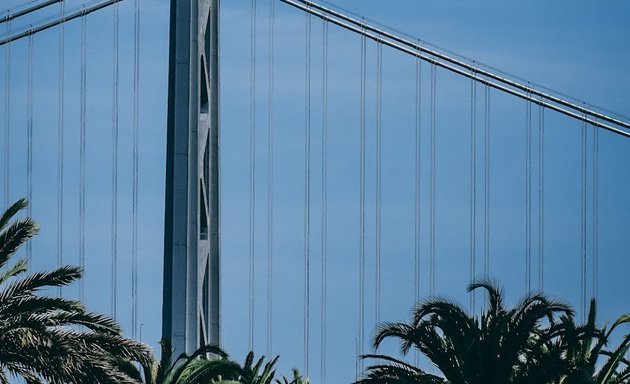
18 268
14 236
12 211
56 278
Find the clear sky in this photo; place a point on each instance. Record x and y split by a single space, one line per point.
576 48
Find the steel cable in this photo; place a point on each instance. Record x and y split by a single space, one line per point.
29 145
417 171
270 178
498 81
82 132
307 193
473 187
7 117
60 140
528 196
324 192
12 14
252 174
363 71
48 23
114 208
432 260
541 199
595 213
379 122
136 159
486 166
583 222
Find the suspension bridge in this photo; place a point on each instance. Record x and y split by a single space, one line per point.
299 173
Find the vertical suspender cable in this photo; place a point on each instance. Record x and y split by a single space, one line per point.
541 198
473 186
29 134
324 229
379 121
528 196
583 300
270 181
114 228
432 267
416 213
595 213
82 154
361 341
134 192
307 193
252 173
486 171
60 139
7 116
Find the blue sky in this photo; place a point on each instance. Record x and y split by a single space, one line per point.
575 48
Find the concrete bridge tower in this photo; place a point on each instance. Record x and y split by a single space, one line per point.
191 300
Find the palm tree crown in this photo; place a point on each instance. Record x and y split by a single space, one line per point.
590 359
503 345
190 369
46 339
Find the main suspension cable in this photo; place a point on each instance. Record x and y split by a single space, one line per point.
460 67
11 15
307 194
61 20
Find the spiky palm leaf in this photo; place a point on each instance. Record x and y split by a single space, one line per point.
586 355
190 369
51 339
297 378
394 371
252 373
503 345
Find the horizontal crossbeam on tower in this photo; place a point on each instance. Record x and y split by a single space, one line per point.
459 67
14 15
58 21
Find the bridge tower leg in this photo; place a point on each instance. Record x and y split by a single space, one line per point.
191 300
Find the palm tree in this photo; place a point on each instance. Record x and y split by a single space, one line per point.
199 369
251 372
47 339
193 369
297 379
587 353
503 345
